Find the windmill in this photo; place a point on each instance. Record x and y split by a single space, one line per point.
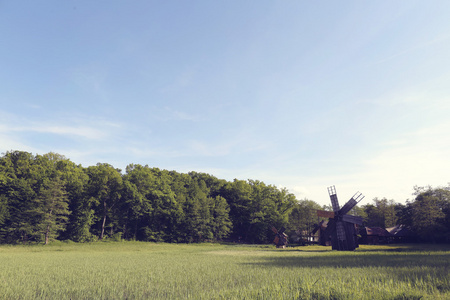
321 239
341 227
280 237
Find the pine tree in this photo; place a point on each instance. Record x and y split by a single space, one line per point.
52 209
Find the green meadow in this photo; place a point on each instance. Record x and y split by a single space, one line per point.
138 270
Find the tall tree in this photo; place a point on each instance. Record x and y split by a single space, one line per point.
167 213
221 225
52 209
303 216
238 194
428 217
381 213
74 179
20 184
139 182
104 187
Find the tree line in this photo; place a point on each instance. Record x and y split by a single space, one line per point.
48 197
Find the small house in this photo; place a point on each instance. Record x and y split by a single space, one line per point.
401 234
374 236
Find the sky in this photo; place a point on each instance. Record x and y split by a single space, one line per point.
297 94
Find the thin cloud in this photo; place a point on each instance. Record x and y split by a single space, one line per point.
169 114
15 132
87 132
412 49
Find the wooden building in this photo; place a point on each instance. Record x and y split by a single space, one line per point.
374 236
401 234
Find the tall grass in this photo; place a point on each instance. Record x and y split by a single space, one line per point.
133 270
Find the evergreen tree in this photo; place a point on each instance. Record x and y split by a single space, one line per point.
221 225
52 209
19 185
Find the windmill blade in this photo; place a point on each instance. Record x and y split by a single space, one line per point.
348 206
282 230
333 197
276 240
340 231
325 214
352 219
351 203
316 227
274 230
334 202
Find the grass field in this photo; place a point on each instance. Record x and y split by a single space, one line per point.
133 270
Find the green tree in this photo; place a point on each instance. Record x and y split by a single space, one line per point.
382 213
104 188
20 184
139 182
238 194
74 179
221 225
52 209
255 207
428 217
167 213
303 216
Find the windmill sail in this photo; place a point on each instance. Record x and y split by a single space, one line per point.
333 197
351 203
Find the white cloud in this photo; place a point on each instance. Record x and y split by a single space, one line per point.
81 131
15 134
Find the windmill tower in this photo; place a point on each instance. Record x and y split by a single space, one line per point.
341 227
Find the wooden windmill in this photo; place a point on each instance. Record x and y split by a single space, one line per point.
280 237
341 228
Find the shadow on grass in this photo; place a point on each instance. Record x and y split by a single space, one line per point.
420 267
370 258
376 248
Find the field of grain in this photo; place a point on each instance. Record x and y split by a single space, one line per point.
133 270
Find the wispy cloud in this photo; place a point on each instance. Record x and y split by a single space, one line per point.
170 114
15 131
80 131
414 48
92 130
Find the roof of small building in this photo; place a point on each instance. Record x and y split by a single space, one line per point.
378 231
399 230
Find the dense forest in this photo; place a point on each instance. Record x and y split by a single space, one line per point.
48 197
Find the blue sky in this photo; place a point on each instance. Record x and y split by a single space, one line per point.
298 94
